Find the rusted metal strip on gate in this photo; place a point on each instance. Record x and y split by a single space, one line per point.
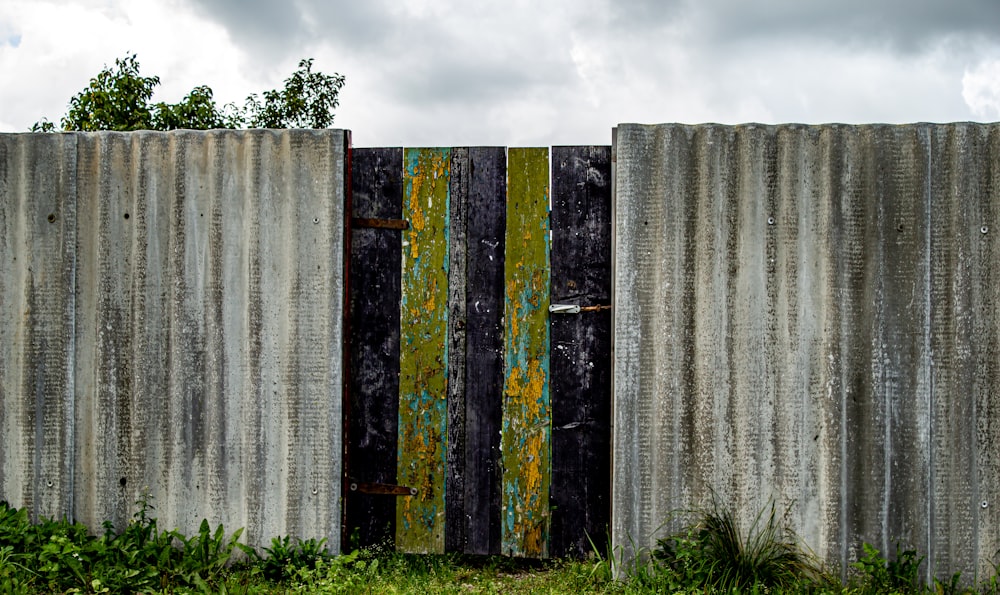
382 489
376 223
526 419
423 411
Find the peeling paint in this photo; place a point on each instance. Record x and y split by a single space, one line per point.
526 431
423 409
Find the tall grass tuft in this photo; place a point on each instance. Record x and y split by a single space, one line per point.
715 554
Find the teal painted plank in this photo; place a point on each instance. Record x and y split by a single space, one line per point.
423 381
525 441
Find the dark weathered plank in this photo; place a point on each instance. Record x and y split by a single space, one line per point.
581 349
374 288
484 347
423 365
455 480
526 424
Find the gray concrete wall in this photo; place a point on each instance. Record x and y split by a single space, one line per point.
810 315
171 322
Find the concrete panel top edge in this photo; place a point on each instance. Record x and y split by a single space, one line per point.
798 125
185 131
570 146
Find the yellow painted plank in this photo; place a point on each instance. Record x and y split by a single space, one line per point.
423 349
526 419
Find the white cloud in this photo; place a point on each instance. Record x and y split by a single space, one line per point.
494 72
981 90
64 44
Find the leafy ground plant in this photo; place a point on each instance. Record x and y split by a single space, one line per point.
284 558
879 575
204 556
714 553
63 557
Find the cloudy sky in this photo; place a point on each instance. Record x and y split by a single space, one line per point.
526 72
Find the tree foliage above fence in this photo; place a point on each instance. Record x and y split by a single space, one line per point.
119 99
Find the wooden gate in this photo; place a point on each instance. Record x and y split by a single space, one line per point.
478 400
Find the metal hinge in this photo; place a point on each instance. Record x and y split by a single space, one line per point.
574 309
382 489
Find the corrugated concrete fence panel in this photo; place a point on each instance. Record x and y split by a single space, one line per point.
808 316
37 236
196 354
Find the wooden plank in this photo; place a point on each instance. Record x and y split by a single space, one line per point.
374 293
484 343
581 349
455 479
423 351
526 428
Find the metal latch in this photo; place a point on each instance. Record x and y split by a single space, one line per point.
380 223
382 489
574 309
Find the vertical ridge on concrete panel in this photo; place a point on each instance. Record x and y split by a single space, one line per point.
484 375
714 213
890 425
210 329
423 407
525 441
844 159
982 288
110 302
37 241
745 309
788 331
963 331
374 287
949 494
638 201
805 208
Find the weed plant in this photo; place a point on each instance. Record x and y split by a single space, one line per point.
901 575
715 554
284 559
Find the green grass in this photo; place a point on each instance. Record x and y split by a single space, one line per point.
712 554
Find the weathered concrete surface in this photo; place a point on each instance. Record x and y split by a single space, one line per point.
206 314
809 314
38 189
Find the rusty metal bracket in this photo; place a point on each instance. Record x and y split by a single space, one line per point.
380 223
382 489
574 309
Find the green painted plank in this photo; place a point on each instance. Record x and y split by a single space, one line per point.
423 398
526 421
